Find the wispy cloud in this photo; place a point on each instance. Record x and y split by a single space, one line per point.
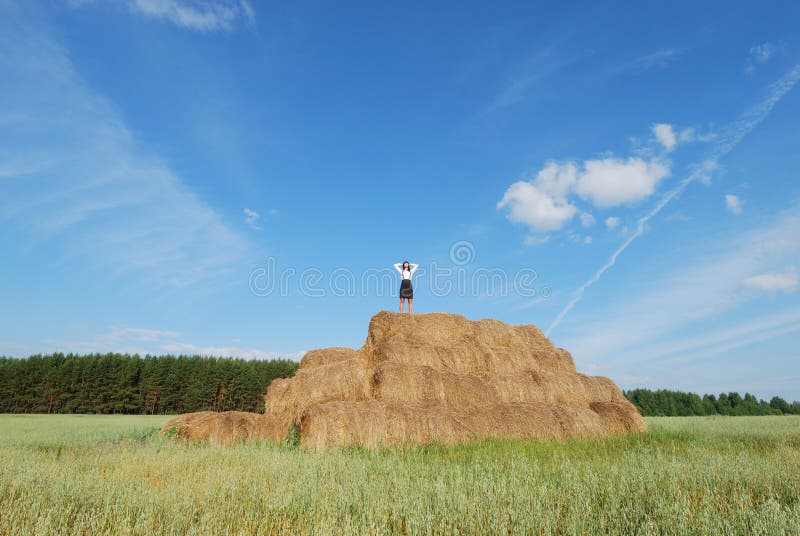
122 339
665 135
656 60
668 137
708 283
533 240
12 349
721 340
785 281
144 341
230 351
530 75
759 55
80 177
143 334
252 217
733 203
678 216
730 137
198 15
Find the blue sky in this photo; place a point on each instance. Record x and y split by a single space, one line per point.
233 177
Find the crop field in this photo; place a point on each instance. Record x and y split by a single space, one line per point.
70 474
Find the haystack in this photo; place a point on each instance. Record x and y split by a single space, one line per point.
429 378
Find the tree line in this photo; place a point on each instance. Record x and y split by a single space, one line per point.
167 384
123 383
665 403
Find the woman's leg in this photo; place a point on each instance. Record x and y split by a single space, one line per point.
410 305
402 303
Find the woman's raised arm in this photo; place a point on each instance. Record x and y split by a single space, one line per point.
413 267
398 266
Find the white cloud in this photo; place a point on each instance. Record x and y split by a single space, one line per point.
729 139
733 204
546 202
610 181
543 203
199 15
587 239
665 135
785 282
557 179
612 222
529 203
252 217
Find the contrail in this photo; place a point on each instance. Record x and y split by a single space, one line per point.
731 136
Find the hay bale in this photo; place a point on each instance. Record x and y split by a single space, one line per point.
276 390
451 342
556 388
619 418
224 428
425 378
326 356
423 385
345 380
602 389
375 424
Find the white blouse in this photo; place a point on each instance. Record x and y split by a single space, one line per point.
406 274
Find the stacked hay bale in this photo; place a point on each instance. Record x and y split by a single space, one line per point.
440 378
224 428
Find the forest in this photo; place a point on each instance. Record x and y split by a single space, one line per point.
665 403
167 384
122 383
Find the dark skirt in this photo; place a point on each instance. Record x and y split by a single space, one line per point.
406 290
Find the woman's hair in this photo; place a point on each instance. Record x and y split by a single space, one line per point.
409 265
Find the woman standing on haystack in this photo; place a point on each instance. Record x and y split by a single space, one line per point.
406 290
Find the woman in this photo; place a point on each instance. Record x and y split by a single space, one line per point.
406 290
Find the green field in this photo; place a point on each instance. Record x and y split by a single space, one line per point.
114 475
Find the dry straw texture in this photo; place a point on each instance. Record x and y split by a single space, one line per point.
429 378
224 428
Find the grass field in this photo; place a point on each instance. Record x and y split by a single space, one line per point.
113 475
